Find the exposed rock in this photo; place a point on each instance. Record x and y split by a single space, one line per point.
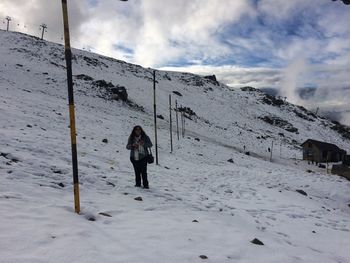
193 80
346 2
84 77
105 140
272 100
104 214
248 88
109 183
278 122
300 115
307 112
139 198
167 77
102 84
257 242
301 192
341 129
197 139
230 160
188 112
211 77
177 93
94 62
119 92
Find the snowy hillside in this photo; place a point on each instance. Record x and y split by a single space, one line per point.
199 204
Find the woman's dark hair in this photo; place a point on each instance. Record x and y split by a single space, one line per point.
132 135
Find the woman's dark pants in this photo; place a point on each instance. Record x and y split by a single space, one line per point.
140 168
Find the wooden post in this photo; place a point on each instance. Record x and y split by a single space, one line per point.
171 126
155 115
177 121
68 56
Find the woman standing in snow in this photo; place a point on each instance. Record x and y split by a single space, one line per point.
138 144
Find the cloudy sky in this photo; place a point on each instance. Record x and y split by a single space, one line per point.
278 44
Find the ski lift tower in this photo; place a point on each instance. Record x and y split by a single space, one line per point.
8 22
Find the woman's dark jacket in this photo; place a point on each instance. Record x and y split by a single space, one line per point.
147 144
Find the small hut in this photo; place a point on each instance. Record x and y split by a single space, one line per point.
321 152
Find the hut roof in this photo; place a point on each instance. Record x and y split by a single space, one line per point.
324 145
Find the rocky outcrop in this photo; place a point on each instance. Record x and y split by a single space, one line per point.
278 122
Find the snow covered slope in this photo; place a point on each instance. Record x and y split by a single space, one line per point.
198 204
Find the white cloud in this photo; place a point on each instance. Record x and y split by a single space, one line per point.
161 33
176 29
27 15
293 79
237 76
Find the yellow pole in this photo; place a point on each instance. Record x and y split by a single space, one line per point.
68 55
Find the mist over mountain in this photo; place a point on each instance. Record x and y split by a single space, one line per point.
304 93
311 97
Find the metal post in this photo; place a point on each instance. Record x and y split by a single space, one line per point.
184 127
155 114
271 152
281 149
8 22
171 126
68 55
43 26
177 121
182 124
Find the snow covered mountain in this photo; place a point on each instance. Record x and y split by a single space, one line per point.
199 204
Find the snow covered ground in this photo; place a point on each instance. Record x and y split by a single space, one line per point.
199 204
